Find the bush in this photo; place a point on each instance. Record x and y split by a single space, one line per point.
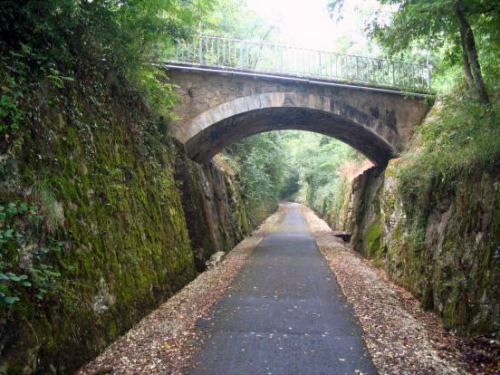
51 42
460 136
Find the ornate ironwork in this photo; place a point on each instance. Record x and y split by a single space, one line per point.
300 62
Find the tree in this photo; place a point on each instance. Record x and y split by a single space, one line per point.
471 62
50 42
432 24
234 19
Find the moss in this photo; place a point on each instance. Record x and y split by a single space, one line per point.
372 239
124 230
443 246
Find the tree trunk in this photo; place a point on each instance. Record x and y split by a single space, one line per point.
469 46
468 74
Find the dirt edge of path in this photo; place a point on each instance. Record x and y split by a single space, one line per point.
400 336
164 341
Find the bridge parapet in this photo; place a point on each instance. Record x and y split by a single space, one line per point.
268 58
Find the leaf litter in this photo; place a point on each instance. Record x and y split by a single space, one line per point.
400 336
165 341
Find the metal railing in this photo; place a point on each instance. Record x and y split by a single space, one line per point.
300 62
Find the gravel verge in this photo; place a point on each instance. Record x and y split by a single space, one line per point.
165 340
400 336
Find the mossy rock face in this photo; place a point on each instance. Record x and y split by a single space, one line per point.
443 246
134 220
366 219
446 251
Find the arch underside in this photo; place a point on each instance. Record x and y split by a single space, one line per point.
211 140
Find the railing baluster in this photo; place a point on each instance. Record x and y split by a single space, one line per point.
336 65
393 75
272 58
247 64
357 68
241 59
224 54
319 70
212 50
282 61
200 51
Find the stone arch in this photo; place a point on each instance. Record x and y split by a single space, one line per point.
208 133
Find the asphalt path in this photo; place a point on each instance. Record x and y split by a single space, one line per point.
284 314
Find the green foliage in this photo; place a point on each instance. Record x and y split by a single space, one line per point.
463 133
49 49
233 19
291 165
431 24
461 136
291 185
261 168
430 29
351 36
335 201
43 193
24 272
295 165
425 23
49 43
317 158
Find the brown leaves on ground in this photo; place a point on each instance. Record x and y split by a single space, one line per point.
400 336
165 341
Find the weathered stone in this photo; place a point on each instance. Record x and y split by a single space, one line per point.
229 108
445 252
215 259
345 236
26 254
104 300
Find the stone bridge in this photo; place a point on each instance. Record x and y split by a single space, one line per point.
220 106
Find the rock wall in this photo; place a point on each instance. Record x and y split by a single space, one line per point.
446 251
105 219
215 215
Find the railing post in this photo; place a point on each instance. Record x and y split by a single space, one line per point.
357 68
241 55
428 76
246 58
320 68
336 65
217 44
223 44
393 75
200 50
282 61
412 83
